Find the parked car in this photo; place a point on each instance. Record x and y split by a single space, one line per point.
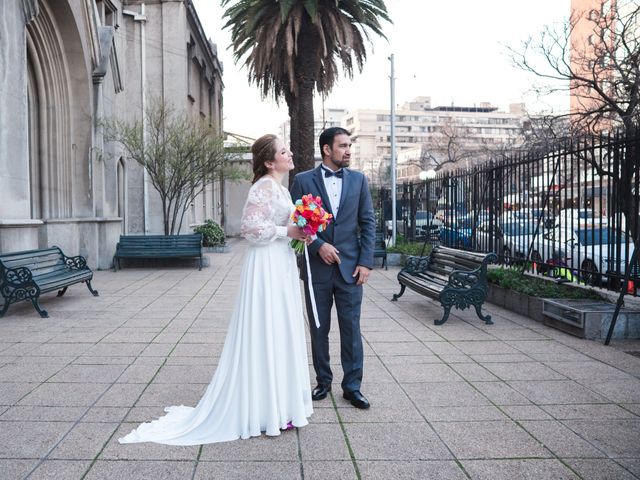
578 217
509 239
595 253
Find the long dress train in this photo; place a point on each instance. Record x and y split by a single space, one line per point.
262 379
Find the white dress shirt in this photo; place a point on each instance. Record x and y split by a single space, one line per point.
333 185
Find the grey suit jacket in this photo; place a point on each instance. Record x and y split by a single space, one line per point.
352 232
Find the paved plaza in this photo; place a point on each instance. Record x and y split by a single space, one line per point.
463 400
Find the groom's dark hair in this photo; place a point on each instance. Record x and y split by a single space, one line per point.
327 136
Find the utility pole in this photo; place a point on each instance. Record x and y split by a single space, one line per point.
393 153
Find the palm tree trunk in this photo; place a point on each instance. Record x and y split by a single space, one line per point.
301 104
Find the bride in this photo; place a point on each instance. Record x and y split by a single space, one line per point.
262 380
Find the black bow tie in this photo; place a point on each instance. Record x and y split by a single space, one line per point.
329 173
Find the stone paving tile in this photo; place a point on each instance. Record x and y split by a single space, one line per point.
114 350
556 392
616 438
560 440
10 393
12 469
138 374
411 441
65 394
631 464
493 439
473 372
88 374
523 371
99 360
599 469
576 411
121 395
590 370
500 393
336 470
184 374
167 394
453 394
84 442
424 373
42 414
462 414
617 390
28 373
144 451
529 469
486 347
399 348
323 442
525 412
30 439
245 470
60 469
105 414
140 470
259 449
410 470
484 358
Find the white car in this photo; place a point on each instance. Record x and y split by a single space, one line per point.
595 254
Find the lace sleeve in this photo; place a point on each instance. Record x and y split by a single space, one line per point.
258 217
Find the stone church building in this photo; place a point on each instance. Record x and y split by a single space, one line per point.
65 65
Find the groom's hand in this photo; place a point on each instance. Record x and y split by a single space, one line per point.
362 273
329 254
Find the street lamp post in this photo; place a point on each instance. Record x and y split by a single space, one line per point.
393 154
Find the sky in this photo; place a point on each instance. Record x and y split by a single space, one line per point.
454 51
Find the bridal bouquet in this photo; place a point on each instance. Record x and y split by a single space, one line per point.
311 217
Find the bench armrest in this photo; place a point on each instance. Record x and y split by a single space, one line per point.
75 263
470 278
416 264
17 277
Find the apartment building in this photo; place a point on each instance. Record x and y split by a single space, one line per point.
325 118
430 137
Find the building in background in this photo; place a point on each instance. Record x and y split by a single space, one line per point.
66 65
325 118
430 137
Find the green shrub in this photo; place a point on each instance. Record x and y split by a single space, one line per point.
408 248
212 234
512 279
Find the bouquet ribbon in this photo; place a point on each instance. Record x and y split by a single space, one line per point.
312 295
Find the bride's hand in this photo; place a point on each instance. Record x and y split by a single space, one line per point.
296 233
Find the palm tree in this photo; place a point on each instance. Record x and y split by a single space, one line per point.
291 47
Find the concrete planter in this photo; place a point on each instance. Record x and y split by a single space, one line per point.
516 302
217 249
395 259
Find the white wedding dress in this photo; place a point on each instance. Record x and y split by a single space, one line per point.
262 379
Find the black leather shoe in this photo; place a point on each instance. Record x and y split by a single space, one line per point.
357 399
320 392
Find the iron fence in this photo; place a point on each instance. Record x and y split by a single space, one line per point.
571 213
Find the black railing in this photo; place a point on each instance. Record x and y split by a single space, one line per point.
572 213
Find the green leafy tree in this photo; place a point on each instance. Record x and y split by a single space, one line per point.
293 47
182 155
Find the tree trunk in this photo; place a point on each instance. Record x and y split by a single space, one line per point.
301 104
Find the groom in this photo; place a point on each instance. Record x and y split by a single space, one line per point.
340 258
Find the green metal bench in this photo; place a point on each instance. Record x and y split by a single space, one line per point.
159 246
27 275
380 249
456 278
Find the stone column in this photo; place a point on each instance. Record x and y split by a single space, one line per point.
14 128
17 230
